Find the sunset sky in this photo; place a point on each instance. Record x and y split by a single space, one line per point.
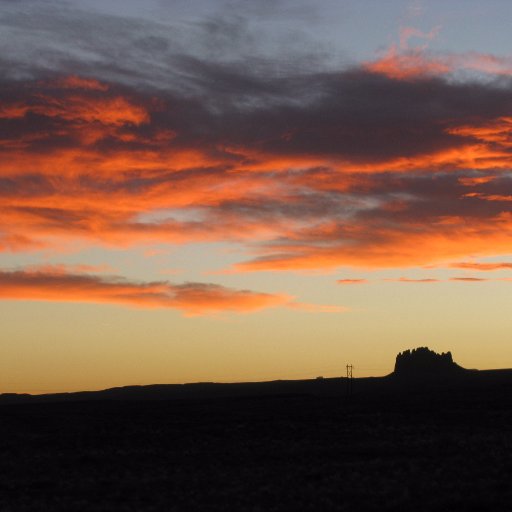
210 190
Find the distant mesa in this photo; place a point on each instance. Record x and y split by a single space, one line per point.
422 362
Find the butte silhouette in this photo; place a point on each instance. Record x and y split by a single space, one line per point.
424 364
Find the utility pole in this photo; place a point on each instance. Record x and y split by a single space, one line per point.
349 379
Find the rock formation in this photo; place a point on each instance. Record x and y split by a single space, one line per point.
423 362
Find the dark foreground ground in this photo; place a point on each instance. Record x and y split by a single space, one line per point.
408 451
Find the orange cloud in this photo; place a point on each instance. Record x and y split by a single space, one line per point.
470 156
477 155
15 110
462 279
490 197
192 299
410 65
77 100
405 62
497 131
469 279
78 82
409 280
352 281
412 245
69 283
12 242
86 161
115 111
472 181
482 266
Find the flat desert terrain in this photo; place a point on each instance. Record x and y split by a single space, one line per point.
416 450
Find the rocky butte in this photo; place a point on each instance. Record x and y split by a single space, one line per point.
422 362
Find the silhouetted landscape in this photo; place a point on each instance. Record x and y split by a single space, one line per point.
430 434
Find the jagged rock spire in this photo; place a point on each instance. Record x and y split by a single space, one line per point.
423 361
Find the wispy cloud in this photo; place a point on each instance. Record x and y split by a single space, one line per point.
406 61
411 280
462 279
469 279
482 266
190 298
66 284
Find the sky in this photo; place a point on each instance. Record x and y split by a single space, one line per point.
243 191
